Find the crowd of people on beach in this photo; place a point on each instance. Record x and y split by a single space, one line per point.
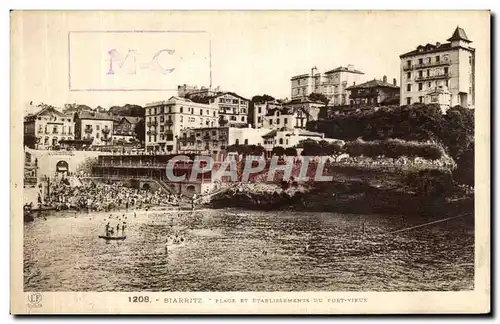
96 196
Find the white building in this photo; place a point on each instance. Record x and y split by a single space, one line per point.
294 114
286 138
260 111
215 140
44 129
95 127
164 121
449 66
332 84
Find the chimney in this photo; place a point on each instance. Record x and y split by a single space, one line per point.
394 82
350 67
384 79
438 44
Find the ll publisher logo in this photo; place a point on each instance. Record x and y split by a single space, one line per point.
34 300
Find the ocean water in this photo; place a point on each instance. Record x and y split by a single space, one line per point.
240 250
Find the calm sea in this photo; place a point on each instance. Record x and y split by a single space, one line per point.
239 250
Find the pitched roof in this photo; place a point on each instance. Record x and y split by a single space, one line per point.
94 115
132 120
224 93
270 134
459 34
373 84
49 110
344 69
428 48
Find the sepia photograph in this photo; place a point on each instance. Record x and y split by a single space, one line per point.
167 156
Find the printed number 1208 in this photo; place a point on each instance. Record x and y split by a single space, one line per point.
138 299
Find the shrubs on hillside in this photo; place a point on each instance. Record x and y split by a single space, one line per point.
394 149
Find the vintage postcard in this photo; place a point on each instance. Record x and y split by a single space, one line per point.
250 162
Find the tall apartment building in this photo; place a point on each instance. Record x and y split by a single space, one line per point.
164 121
440 73
332 84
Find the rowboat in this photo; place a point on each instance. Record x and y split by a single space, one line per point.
112 237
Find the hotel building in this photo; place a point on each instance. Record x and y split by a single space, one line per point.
440 73
164 121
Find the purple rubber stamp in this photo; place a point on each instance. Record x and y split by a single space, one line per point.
137 60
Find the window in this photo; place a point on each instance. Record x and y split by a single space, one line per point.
408 101
246 141
243 118
277 121
162 128
420 74
470 60
420 87
270 122
181 119
235 101
54 130
408 87
259 110
421 99
428 72
445 70
281 141
446 83
429 84
429 60
438 59
470 90
46 140
149 139
408 75
420 61
408 63
97 135
285 121
97 127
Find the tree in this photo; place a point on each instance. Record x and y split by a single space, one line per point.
262 98
140 131
291 151
318 97
278 150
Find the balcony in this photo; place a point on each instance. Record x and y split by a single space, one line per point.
433 77
426 65
89 130
106 131
432 64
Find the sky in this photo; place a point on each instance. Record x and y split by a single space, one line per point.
252 53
